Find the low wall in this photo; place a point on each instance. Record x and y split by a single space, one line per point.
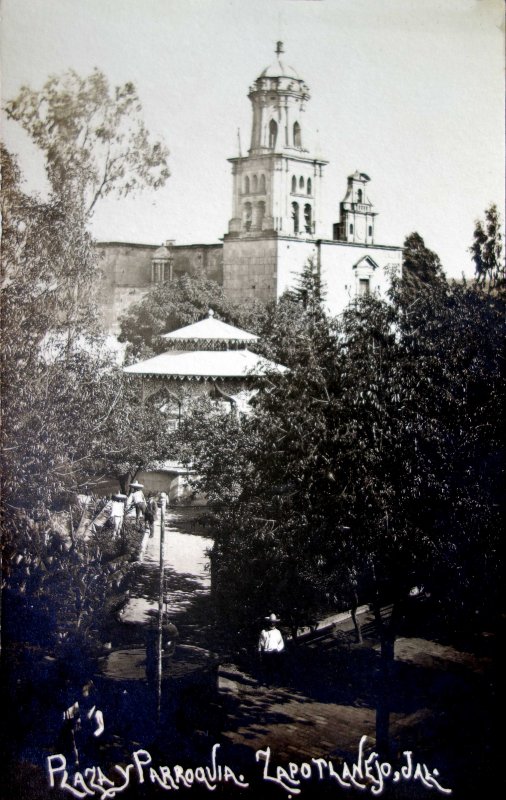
174 484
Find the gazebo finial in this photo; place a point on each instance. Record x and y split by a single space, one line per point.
210 313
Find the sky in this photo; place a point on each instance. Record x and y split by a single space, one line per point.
409 92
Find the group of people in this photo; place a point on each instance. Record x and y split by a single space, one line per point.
121 504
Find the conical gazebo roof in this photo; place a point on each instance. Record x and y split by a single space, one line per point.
200 356
210 329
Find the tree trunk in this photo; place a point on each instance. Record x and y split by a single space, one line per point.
124 482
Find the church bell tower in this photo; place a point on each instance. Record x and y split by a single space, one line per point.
357 213
276 190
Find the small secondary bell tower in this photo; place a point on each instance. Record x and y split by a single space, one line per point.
277 185
357 213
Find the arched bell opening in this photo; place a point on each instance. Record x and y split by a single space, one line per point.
273 134
297 142
295 217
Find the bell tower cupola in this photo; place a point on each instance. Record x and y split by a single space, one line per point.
277 185
278 97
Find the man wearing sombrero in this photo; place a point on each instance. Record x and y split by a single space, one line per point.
271 646
137 500
117 512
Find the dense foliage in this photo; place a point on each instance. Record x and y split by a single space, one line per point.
59 588
69 414
171 305
375 465
420 266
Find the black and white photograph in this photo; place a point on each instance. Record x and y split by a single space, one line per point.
252 337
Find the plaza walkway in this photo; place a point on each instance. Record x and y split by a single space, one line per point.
187 578
327 696
442 705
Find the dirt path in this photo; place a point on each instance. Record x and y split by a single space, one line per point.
187 578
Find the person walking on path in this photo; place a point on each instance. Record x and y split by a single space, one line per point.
150 514
137 500
271 647
117 512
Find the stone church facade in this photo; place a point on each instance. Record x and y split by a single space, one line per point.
129 270
276 220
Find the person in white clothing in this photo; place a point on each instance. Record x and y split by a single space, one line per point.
271 647
117 512
137 500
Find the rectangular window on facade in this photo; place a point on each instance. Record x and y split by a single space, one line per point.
363 287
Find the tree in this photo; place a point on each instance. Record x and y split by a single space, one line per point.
424 380
168 306
371 468
256 475
420 265
49 371
48 271
288 327
171 305
57 588
487 251
92 137
309 289
59 388
64 401
47 337
76 419
134 435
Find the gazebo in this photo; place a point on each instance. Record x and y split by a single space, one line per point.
207 357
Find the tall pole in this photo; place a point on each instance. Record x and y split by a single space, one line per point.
163 503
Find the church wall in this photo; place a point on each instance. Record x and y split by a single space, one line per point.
341 278
125 273
192 258
336 261
293 255
114 301
125 264
260 268
130 264
249 269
